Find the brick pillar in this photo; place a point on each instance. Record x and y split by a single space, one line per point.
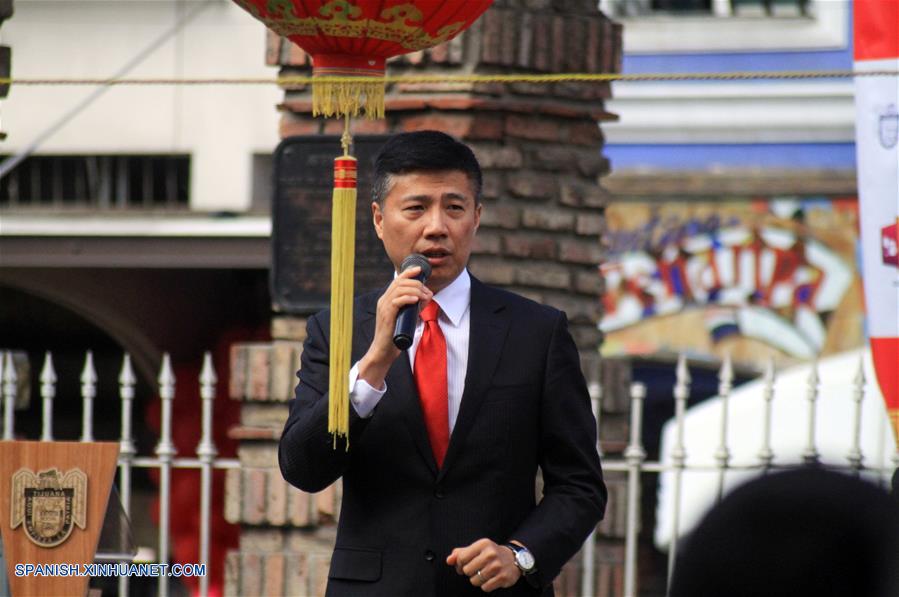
540 147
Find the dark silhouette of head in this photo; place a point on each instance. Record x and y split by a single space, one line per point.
804 532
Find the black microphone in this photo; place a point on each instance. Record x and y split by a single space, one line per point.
407 318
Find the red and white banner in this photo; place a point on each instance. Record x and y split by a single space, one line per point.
877 153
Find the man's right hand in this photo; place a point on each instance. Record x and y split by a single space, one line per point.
404 290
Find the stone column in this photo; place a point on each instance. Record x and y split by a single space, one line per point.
540 147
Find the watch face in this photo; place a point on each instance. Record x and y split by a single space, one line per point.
525 559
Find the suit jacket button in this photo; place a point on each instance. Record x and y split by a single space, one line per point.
429 555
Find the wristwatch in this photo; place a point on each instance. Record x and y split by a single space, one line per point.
524 559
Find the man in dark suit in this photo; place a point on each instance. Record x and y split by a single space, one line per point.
445 441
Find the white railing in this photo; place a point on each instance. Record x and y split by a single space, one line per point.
165 459
633 462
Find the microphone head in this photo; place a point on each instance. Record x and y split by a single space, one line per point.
419 260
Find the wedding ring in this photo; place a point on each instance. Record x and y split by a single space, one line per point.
481 577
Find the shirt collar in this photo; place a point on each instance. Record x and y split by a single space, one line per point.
455 298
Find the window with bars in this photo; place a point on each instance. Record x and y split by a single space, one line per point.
98 182
717 8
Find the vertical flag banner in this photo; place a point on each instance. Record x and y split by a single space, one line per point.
877 154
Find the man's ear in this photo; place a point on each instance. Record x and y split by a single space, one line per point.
377 218
477 215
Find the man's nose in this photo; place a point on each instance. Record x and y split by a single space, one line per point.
436 223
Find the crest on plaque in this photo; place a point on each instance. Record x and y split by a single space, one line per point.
889 127
49 504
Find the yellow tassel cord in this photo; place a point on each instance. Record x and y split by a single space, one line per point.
343 253
348 98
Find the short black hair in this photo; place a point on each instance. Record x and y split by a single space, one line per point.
423 151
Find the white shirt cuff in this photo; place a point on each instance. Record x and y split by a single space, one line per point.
363 397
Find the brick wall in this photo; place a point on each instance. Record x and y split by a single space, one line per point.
540 147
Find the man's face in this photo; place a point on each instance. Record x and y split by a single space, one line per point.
432 213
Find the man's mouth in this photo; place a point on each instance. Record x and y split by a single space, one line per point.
436 256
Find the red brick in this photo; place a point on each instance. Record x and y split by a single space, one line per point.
232 573
525 40
577 193
486 243
273 581
547 218
273 43
254 486
367 126
487 127
543 275
297 56
592 164
543 46
247 432
439 53
500 157
585 133
457 125
531 186
494 183
298 507
276 499
394 103
238 381
529 246
589 224
297 578
587 252
290 126
592 54
532 128
250 574
559 32
500 216
493 271
233 495
508 42
588 283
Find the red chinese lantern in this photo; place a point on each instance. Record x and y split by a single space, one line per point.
354 38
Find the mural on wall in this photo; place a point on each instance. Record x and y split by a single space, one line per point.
695 275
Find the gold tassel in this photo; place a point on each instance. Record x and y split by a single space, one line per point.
343 98
343 253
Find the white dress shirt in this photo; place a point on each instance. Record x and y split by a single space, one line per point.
454 317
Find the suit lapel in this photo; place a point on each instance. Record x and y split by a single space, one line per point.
489 324
402 395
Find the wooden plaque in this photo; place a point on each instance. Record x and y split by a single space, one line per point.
53 499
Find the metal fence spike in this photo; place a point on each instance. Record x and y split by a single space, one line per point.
89 373
10 381
126 376
48 373
207 374
766 454
48 393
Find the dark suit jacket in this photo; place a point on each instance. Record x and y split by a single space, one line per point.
525 405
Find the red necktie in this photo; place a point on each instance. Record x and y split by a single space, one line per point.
430 378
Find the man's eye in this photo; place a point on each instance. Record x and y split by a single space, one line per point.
414 208
457 207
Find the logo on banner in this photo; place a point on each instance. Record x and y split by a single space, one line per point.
889 244
889 127
49 504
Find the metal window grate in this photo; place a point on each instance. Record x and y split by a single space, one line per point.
98 182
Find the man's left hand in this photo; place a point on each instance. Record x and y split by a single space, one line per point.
495 563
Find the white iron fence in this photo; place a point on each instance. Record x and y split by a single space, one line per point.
165 459
673 465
